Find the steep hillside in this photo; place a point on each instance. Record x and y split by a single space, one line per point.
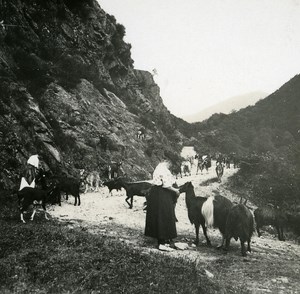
68 88
271 123
267 138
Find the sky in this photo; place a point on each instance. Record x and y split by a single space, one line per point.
207 51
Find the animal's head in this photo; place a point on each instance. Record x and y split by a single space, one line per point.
185 187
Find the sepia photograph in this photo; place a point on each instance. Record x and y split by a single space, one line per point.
149 146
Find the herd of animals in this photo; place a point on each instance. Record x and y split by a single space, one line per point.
234 220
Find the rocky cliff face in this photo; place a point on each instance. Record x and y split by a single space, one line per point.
68 87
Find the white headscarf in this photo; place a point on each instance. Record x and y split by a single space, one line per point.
162 175
25 184
33 160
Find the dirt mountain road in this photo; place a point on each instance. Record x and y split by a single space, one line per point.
272 267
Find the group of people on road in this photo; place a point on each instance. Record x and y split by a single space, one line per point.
160 213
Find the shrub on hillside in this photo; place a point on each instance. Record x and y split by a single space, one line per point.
270 178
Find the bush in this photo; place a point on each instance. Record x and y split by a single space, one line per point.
270 178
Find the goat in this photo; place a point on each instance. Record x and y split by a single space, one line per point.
194 206
41 179
239 225
134 188
31 196
219 171
215 211
270 216
69 186
113 185
92 182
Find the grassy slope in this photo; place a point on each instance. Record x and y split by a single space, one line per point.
49 257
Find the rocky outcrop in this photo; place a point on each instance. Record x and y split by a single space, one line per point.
66 82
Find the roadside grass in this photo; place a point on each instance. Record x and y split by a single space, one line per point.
49 257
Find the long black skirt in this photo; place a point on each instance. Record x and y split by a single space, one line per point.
160 216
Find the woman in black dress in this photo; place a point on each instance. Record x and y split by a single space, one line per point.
160 216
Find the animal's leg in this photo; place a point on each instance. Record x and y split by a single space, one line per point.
59 199
145 206
248 247
44 207
197 234
243 248
131 202
227 243
97 186
78 199
93 187
258 232
282 235
22 218
278 232
75 201
223 242
128 201
86 187
32 216
204 229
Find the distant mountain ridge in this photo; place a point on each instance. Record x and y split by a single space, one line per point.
234 103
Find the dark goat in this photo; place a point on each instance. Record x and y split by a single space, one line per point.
113 185
270 216
68 185
194 206
135 188
215 211
239 225
31 196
